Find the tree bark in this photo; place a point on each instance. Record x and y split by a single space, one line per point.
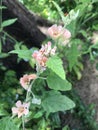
26 28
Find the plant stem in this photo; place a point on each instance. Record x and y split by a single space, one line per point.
23 123
29 90
10 36
1 15
42 78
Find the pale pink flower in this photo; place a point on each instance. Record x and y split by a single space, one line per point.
43 54
55 31
65 38
66 34
20 109
25 80
40 59
43 61
53 51
47 49
37 55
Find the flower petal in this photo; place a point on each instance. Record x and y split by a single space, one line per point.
18 103
14 110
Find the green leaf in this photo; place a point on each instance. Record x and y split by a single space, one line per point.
7 124
8 22
54 102
2 7
72 55
2 111
4 55
55 64
66 128
24 54
38 114
56 83
94 1
85 1
70 17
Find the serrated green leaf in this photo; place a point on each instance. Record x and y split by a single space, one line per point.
54 102
56 83
7 124
24 54
8 22
55 64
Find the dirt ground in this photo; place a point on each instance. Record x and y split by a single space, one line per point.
87 87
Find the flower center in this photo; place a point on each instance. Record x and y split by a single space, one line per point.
21 109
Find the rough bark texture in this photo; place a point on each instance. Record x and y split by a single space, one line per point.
26 28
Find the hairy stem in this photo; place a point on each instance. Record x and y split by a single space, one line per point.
23 123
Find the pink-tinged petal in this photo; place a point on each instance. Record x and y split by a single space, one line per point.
66 34
55 31
60 29
49 47
14 110
24 81
49 44
26 105
26 111
20 114
18 104
35 54
32 76
53 50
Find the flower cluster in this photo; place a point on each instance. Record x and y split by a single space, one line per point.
21 109
58 32
25 80
42 55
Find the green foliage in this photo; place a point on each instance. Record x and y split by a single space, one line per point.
55 64
69 18
8 22
2 7
7 124
66 128
54 101
3 112
56 83
72 56
24 54
51 87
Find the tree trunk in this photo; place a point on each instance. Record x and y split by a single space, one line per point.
26 28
